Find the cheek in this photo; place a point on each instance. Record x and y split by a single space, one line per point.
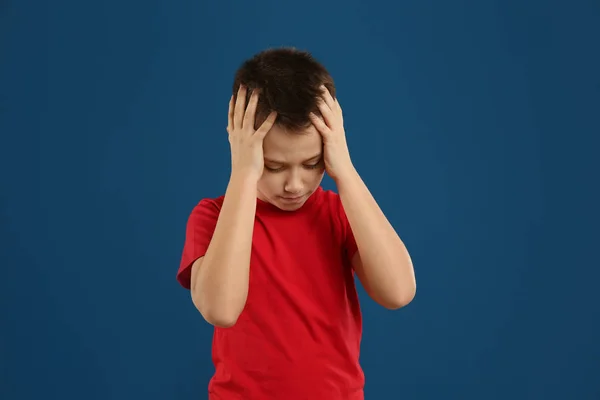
268 183
314 177
272 183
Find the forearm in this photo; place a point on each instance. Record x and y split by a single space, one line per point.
386 268
221 287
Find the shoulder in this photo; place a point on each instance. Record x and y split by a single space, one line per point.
332 202
209 203
206 208
331 211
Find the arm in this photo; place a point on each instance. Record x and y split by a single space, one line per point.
220 279
382 262
219 284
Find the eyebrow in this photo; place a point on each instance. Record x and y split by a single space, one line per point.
307 160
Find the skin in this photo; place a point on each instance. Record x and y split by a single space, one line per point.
294 167
274 165
219 281
382 262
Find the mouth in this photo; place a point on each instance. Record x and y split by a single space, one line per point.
294 199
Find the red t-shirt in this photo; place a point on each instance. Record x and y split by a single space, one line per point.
299 334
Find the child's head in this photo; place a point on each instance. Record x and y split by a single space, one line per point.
289 81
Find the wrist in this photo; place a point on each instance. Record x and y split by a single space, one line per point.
244 178
348 175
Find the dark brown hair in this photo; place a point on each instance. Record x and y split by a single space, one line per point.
289 81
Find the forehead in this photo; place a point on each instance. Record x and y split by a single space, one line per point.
287 146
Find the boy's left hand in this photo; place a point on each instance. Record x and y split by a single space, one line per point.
331 127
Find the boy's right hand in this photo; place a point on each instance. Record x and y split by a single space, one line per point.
247 143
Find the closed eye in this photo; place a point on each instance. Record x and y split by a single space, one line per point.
274 169
313 166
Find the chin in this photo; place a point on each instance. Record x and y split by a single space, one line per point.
289 206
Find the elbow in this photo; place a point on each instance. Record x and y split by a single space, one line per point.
400 299
220 320
220 317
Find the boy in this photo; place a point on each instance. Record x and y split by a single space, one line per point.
271 263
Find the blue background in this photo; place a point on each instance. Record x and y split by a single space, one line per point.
475 125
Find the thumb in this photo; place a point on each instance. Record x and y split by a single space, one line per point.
266 126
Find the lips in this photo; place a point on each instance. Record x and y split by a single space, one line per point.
296 198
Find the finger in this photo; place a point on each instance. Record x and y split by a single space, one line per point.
339 109
337 105
240 106
250 114
230 115
266 126
328 116
319 124
328 98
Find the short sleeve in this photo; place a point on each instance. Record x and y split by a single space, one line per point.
199 231
349 241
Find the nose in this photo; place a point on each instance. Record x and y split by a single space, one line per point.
293 184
